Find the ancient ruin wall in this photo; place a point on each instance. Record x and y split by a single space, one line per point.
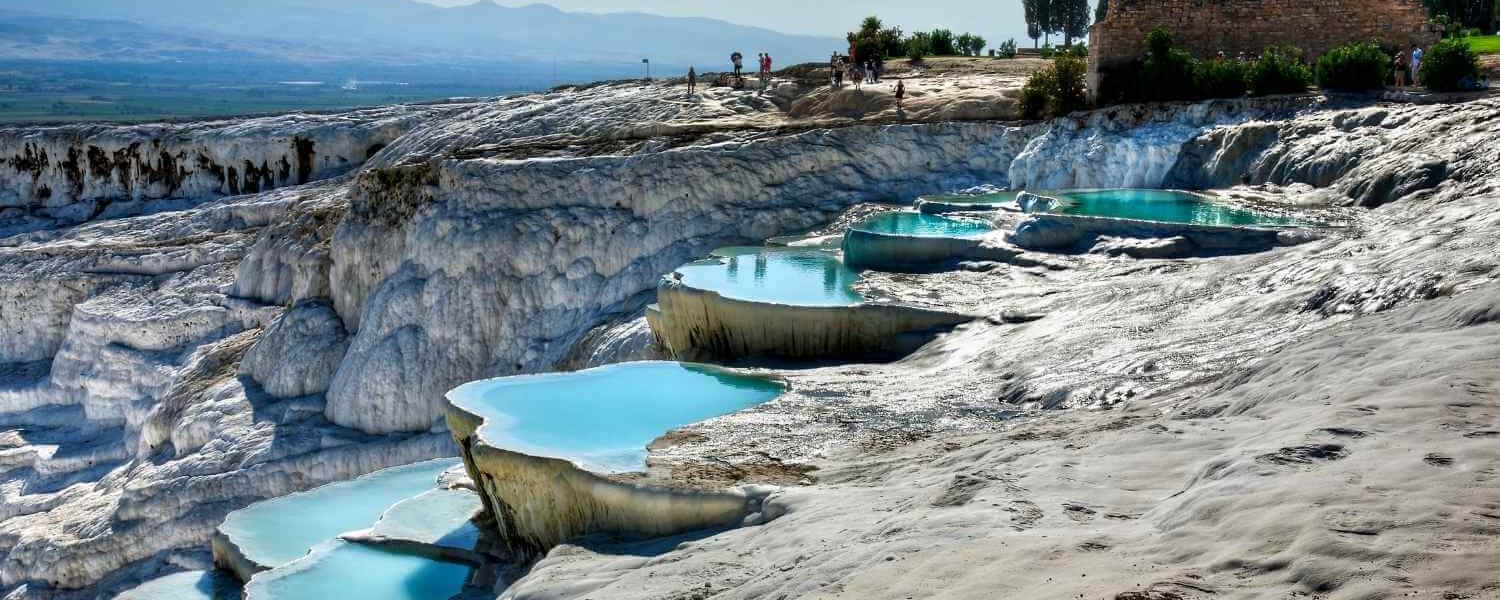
1206 27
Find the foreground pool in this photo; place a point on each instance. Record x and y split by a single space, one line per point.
1167 206
545 450
923 225
275 532
345 570
602 419
801 277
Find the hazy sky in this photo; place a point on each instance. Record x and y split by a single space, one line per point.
996 20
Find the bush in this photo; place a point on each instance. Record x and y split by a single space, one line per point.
1450 65
1356 67
918 48
1166 73
1007 49
1057 89
1220 78
1278 71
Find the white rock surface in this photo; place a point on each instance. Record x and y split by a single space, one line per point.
493 237
298 355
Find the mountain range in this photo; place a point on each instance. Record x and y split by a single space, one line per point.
383 32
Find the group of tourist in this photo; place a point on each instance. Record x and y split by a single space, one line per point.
1402 65
737 78
846 66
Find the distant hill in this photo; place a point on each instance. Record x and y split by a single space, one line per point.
403 32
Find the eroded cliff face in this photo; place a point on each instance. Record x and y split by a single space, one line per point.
62 175
160 370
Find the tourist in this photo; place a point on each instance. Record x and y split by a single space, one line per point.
692 80
856 75
738 60
879 69
836 65
1416 65
1399 65
900 93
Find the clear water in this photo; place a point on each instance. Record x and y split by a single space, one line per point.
923 225
602 419
800 277
345 570
281 530
188 585
1163 205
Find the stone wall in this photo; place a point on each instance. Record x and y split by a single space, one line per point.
1206 27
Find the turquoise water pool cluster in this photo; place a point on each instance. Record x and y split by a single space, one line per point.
289 548
558 440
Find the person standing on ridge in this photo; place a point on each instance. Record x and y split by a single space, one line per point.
738 60
1416 65
900 93
1399 65
692 80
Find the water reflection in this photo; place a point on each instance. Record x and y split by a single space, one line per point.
1167 206
804 277
602 419
923 225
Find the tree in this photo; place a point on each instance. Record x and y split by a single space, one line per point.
941 41
962 43
1037 22
1101 11
892 41
918 46
1073 20
977 44
867 41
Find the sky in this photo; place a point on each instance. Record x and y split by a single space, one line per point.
996 20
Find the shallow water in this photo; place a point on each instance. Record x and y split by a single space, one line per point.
188 585
345 570
602 419
923 225
1165 206
278 531
802 277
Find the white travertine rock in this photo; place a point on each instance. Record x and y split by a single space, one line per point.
299 353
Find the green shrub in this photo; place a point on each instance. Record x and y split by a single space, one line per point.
918 48
1007 49
1057 89
1355 67
1278 71
1220 78
1450 65
1166 73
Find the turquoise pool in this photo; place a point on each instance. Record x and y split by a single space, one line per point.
1164 205
923 225
281 530
802 277
345 570
602 419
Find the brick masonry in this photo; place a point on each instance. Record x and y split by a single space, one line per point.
1206 27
